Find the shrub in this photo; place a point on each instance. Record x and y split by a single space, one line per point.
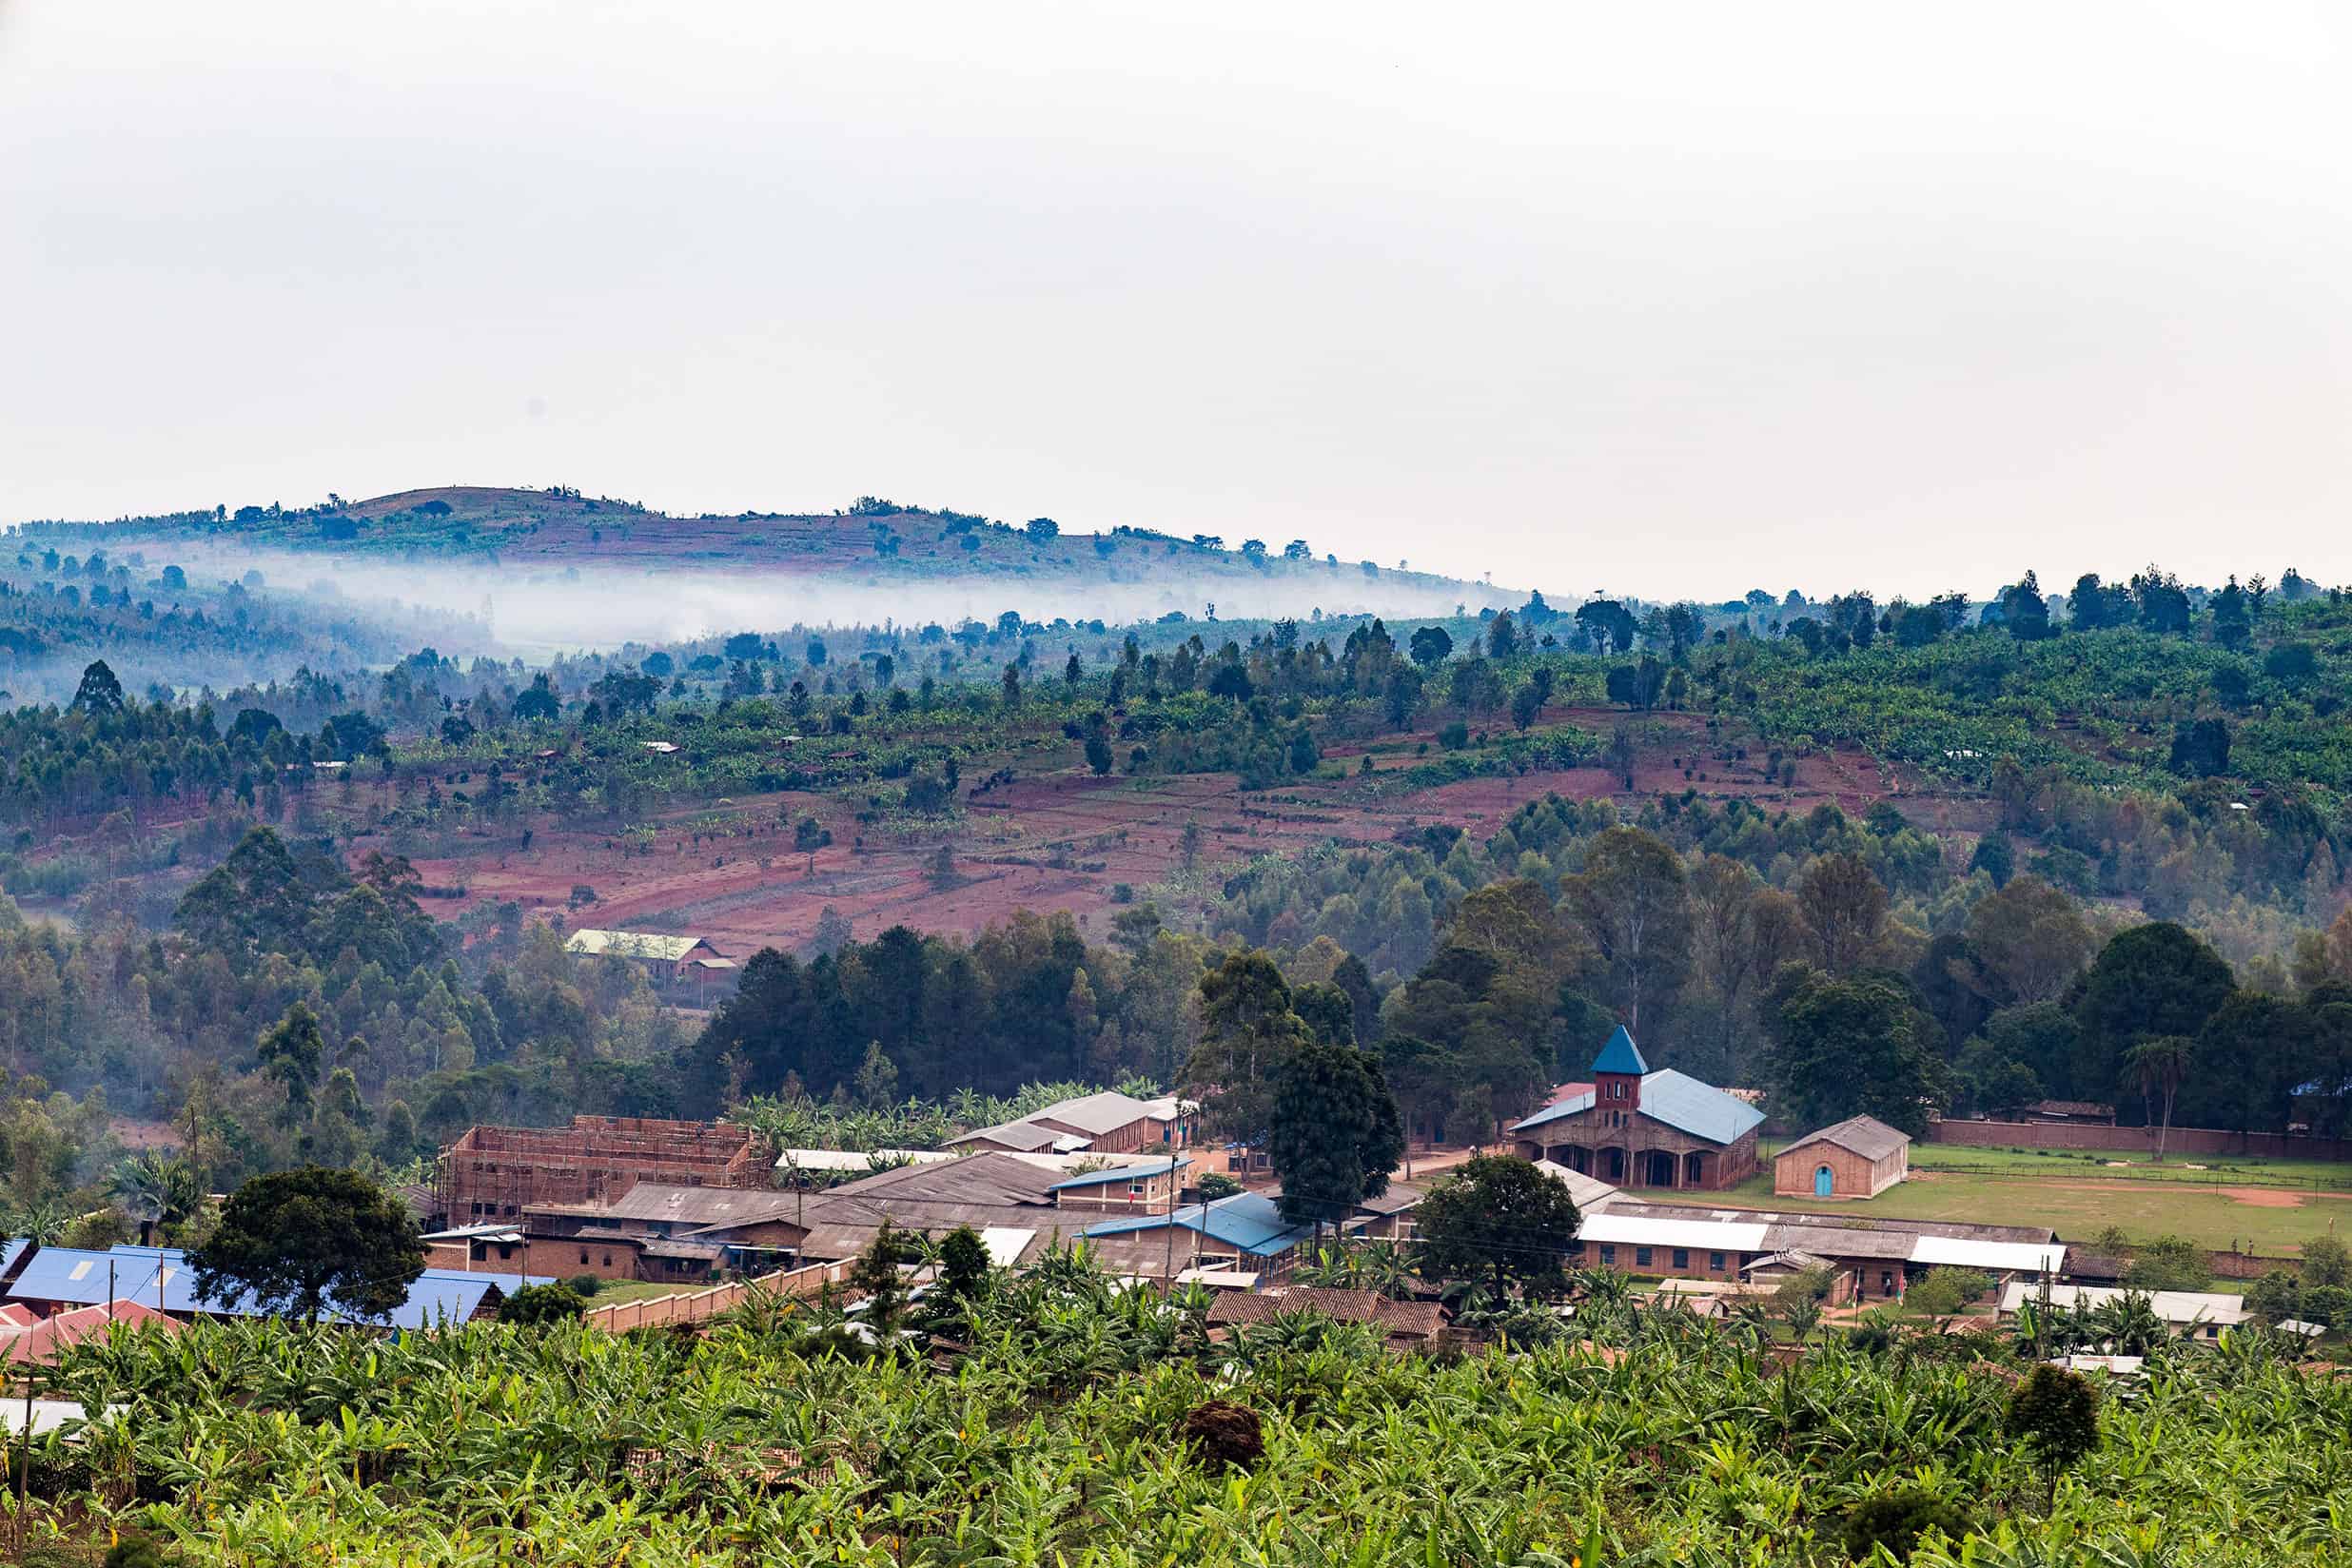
1896 1519
584 1286
537 1305
1223 1436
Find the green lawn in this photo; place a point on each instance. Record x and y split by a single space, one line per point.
2081 1164
2076 1206
617 1291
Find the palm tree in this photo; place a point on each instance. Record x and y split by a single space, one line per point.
2159 1065
40 1222
157 1189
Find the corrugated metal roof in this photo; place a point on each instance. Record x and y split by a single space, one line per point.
1842 1241
1123 1173
1006 1244
1247 1221
1865 1135
1586 1192
1676 1099
1715 1235
2174 1306
1022 1136
1095 1114
618 944
1620 1055
2001 1257
666 1202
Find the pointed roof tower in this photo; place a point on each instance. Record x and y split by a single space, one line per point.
1620 1055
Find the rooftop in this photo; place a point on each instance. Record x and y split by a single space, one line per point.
620 944
1141 1171
664 1202
1676 1099
1865 1135
2174 1306
1620 1055
1247 1221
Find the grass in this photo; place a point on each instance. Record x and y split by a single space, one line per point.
2076 1204
615 1292
2098 1164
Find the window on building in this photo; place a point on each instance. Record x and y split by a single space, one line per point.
608 1259
1135 1189
1682 1257
1641 1257
583 1259
1714 1261
1608 1256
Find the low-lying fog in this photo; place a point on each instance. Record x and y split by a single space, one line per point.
540 613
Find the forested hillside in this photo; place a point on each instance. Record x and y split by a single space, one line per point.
1758 832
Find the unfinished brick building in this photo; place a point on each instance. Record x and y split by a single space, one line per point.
496 1172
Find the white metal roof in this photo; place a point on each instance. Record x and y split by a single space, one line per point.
618 944
1006 1244
842 1159
2174 1306
1587 1192
2001 1257
1719 1235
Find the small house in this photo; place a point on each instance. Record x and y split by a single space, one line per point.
1859 1157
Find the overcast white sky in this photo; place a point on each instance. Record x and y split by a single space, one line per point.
1667 299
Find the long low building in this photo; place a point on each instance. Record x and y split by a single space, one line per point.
1877 1259
2191 1313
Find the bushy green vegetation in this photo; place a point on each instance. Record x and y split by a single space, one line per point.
1067 1432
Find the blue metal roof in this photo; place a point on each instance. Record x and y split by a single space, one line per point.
1124 1173
1247 1221
1676 1099
82 1278
1620 1055
160 1277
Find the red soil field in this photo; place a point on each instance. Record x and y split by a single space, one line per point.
1063 840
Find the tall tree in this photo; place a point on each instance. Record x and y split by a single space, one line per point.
1855 1046
1846 907
2149 980
1248 1030
292 1052
1633 901
2032 941
300 1241
1334 1133
2158 1064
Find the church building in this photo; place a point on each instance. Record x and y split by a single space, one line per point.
1633 1127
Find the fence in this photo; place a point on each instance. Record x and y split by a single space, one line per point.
700 1306
2126 1140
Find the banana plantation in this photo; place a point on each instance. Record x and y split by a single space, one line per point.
1057 1419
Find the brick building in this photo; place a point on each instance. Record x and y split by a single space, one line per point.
497 1172
1634 1128
1859 1157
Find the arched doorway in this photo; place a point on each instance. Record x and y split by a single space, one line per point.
1575 1158
1658 1167
1825 1182
1694 1169
1612 1165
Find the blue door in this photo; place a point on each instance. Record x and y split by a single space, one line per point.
1822 1182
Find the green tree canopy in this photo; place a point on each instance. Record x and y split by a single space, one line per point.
1335 1133
300 1241
1496 1219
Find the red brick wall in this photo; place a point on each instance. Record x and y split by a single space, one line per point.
2134 1139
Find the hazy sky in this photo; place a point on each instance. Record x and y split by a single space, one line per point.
1668 298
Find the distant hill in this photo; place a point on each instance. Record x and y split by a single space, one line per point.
876 541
